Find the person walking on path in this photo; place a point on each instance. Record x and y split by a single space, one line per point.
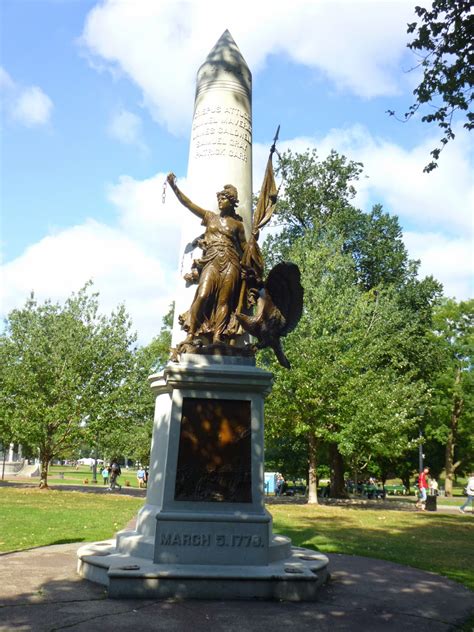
423 487
115 472
470 494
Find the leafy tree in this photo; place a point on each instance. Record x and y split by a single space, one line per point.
8 427
287 454
360 353
317 198
444 39
452 411
67 370
351 386
136 440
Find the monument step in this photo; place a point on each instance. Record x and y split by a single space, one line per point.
279 549
296 578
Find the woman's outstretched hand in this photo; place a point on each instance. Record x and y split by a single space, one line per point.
171 178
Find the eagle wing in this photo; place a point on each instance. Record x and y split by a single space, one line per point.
284 287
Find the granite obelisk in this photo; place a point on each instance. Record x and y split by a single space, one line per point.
220 149
204 531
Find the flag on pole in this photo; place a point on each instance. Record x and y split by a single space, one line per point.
252 256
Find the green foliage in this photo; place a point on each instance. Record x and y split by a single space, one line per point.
351 381
361 354
66 369
317 198
452 412
287 454
133 437
314 193
444 38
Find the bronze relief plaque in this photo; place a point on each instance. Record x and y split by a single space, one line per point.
214 458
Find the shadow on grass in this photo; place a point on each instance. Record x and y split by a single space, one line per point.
438 543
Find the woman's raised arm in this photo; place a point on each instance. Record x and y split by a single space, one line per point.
185 201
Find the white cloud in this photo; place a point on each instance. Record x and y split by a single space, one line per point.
160 45
134 262
28 105
6 82
449 259
32 107
127 128
443 199
144 217
62 263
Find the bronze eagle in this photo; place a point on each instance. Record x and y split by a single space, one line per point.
279 309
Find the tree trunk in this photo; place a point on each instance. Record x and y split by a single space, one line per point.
312 473
3 464
44 460
451 440
338 488
406 482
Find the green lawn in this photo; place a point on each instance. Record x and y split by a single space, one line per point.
431 541
73 476
32 517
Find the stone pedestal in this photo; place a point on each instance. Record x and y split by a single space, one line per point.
204 531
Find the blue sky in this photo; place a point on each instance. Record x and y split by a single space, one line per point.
97 103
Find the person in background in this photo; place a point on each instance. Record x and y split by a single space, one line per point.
423 488
434 487
105 474
115 472
470 494
280 481
141 477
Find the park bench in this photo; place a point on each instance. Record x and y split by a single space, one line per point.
396 490
293 490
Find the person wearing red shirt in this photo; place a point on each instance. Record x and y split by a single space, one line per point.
423 487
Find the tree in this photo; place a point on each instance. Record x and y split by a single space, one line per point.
452 410
318 198
287 454
444 38
135 441
351 386
67 371
8 427
360 353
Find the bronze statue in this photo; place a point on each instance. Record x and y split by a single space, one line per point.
229 276
217 272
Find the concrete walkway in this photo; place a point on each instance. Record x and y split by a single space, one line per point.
40 591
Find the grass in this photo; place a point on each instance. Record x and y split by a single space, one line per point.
430 541
73 476
439 543
32 517
455 501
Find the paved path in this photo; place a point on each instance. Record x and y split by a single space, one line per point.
40 591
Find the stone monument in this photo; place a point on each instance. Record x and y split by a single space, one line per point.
204 531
